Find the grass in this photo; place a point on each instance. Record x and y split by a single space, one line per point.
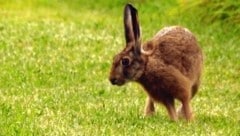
55 59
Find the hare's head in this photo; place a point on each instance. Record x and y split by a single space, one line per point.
128 65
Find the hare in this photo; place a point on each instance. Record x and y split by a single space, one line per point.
168 66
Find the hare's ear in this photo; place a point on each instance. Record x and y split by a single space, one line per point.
131 25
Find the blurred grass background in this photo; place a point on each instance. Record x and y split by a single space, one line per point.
55 57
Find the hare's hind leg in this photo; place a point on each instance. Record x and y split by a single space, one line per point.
186 109
149 107
195 88
185 98
170 105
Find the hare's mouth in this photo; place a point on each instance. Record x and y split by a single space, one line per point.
117 82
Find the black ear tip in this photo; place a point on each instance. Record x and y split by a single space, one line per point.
130 6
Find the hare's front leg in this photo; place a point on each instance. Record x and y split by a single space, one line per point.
149 107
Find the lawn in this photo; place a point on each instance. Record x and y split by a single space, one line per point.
55 58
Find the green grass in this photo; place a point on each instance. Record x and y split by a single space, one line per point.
55 58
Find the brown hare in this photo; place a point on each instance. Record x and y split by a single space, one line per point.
168 66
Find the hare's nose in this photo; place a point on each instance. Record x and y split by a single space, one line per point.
113 81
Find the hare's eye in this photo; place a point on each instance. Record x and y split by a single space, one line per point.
125 61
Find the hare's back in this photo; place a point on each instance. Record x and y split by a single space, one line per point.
178 47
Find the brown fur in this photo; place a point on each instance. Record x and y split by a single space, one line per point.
168 66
